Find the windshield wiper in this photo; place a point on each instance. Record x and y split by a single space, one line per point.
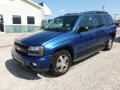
57 29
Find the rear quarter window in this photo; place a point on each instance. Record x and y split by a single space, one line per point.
108 20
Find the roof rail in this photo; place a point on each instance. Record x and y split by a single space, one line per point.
94 12
67 14
87 12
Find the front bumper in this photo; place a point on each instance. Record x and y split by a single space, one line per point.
42 64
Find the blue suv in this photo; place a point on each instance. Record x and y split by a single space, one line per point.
66 39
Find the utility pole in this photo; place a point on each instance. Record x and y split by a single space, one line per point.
115 17
116 14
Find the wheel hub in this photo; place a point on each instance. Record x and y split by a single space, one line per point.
110 43
62 63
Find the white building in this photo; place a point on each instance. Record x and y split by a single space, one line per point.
21 15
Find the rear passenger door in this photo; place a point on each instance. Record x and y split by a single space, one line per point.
100 30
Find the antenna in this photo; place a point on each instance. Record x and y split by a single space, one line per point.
103 7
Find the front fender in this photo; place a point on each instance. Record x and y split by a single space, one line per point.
52 47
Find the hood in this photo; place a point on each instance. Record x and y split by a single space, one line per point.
37 38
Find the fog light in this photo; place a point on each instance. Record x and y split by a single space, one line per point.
34 64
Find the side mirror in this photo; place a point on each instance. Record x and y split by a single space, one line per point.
49 20
82 29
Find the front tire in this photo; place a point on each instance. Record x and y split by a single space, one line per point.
61 62
109 44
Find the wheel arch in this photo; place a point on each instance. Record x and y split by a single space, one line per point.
113 34
68 48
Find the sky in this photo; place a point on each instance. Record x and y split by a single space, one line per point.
60 7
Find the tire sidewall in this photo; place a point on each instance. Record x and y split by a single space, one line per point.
107 46
55 58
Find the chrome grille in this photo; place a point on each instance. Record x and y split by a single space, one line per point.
21 49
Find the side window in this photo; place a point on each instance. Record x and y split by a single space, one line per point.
16 19
86 22
98 21
108 19
30 20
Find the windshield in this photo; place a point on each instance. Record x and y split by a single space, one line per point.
62 24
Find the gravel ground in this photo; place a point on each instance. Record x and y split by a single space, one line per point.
99 72
7 39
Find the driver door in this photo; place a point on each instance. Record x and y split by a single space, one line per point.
85 40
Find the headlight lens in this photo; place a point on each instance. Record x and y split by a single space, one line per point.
36 50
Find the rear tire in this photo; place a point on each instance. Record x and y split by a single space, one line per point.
109 44
61 62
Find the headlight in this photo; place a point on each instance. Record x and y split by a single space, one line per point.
36 50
